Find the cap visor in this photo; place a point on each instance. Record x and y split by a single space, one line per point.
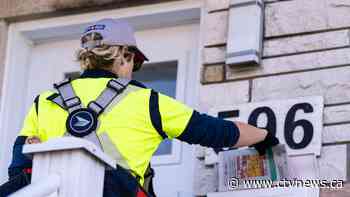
140 55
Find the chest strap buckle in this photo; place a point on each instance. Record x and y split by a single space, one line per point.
98 109
72 102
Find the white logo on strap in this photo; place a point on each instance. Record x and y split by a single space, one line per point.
81 122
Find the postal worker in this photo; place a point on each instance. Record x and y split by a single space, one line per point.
124 118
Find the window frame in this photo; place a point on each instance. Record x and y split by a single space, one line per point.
176 149
23 36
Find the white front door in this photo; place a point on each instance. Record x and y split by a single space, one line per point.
171 70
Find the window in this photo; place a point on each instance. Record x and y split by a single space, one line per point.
72 75
162 78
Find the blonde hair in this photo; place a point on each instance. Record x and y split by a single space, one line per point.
101 57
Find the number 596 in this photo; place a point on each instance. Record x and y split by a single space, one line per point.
290 124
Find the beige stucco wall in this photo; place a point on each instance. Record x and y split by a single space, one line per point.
29 9
302 39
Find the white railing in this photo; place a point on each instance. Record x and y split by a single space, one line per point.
66 167
46 187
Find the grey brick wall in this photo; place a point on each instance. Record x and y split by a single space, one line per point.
307 47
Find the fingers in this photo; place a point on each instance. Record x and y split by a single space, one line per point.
32 140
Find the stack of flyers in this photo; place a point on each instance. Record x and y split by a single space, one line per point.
247 164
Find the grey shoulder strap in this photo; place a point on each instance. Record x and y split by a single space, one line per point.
67 96
68 100
113 89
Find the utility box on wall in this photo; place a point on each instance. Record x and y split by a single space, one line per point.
246 32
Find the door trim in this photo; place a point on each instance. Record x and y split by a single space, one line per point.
23 36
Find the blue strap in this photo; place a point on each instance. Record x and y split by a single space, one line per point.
156 118
36 101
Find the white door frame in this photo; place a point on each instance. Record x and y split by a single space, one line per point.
23 36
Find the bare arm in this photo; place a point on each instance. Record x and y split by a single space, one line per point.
249 135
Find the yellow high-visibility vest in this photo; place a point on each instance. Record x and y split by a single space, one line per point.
127 125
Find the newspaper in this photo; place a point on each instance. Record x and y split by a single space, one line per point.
247 164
